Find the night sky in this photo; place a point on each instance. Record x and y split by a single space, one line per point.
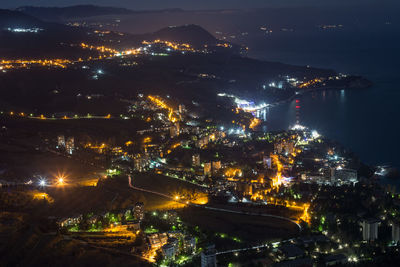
188 4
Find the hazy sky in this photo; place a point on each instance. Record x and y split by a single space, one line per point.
187 4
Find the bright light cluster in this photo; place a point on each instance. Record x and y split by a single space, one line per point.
171 45
245 105
25 30
159 102
298 127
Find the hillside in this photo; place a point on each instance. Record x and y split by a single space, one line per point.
9 18
45 39
192 34
51 39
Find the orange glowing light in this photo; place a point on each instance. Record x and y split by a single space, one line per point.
233 172
306 216
128 143
277 180
254 123
160 103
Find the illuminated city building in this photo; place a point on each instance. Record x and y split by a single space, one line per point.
61 141
207 169
174 130
202 142
331 177
246 188
289 148
196 160
69 145
216 166
284 148
141 164
175 244
156 241
133 225
344 176
278 148
138 211
70 221
182 109
267 162
189 244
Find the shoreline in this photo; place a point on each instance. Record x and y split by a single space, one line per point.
328 88
393 180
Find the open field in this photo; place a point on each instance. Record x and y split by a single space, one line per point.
251 229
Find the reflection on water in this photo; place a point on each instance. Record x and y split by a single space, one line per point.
342 96
363 120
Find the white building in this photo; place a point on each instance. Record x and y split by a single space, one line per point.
395 232
370 229
169 250
209 258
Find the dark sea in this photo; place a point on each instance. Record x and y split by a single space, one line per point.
366 120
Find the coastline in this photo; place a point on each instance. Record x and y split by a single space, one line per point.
322 88
392 177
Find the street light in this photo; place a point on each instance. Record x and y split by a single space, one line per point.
42 182
60 181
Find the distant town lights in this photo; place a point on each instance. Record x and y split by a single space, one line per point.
24 30
315 134
298 127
